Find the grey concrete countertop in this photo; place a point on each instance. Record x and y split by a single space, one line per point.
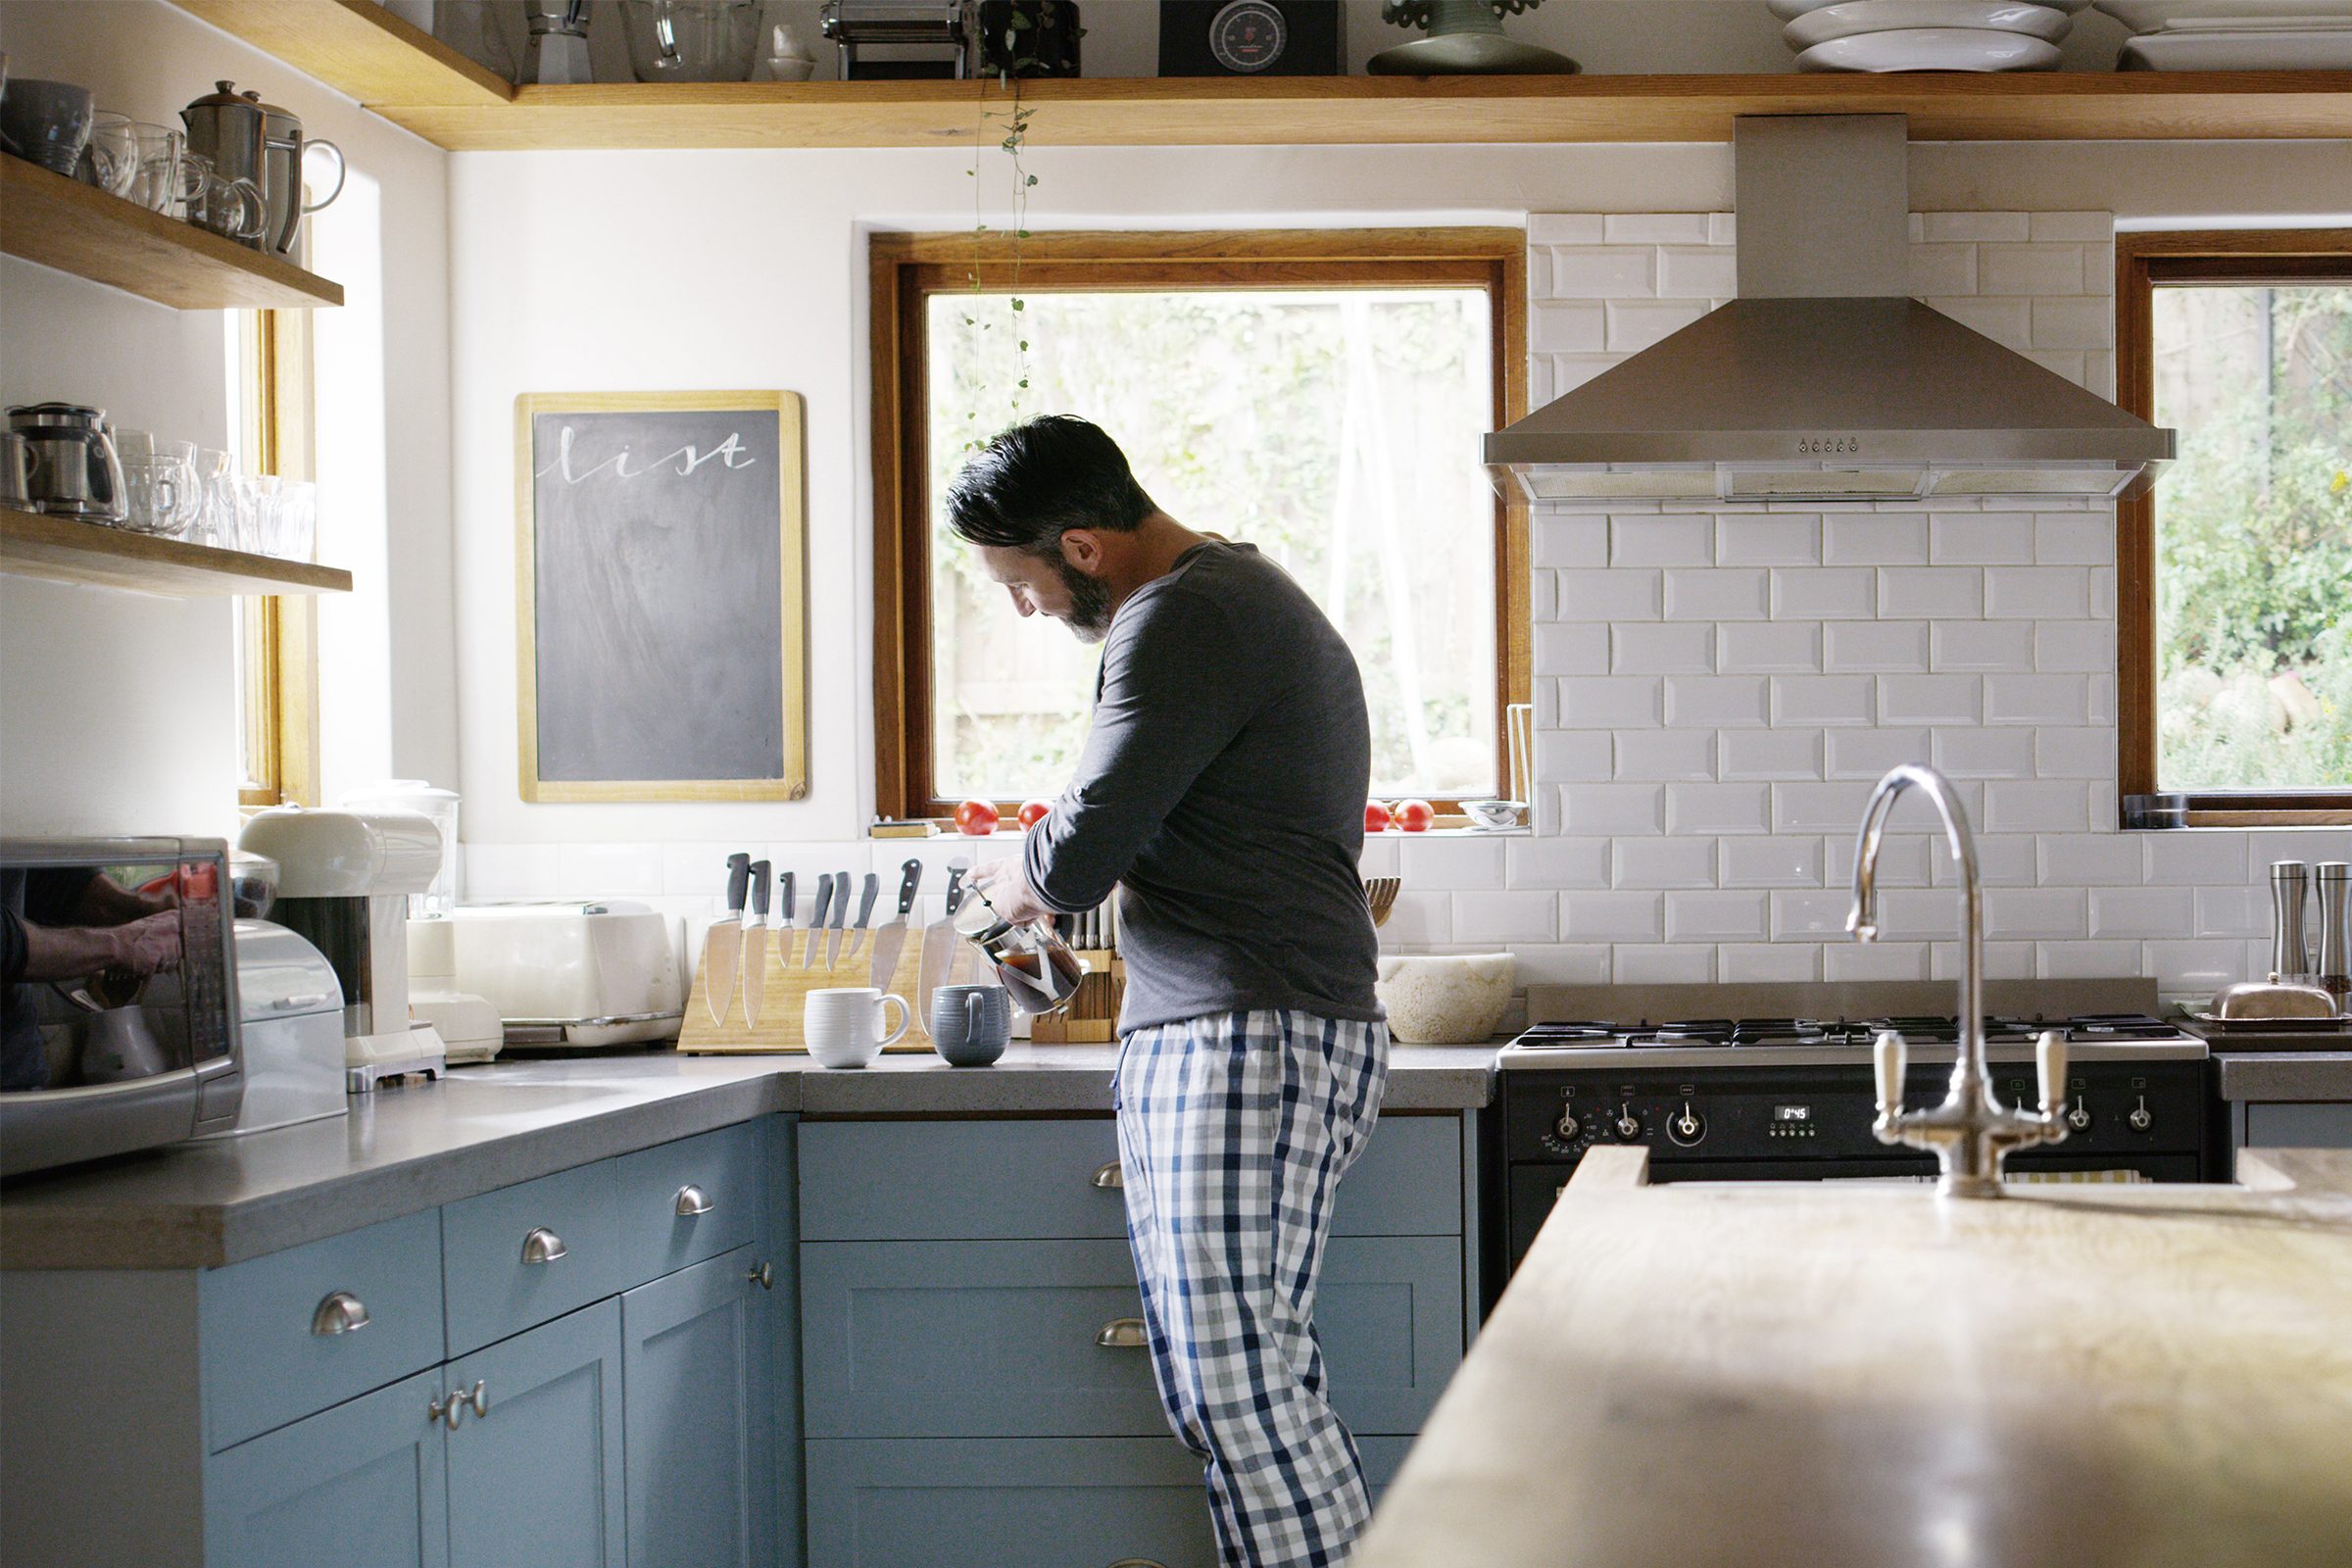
412 1147
2284 1075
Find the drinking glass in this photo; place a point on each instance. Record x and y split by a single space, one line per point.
155 182
297 520
216 519
135 446
157 489
261 524
111 158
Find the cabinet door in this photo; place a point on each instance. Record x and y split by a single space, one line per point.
536 1482
695 1438
2297 1125
360 1485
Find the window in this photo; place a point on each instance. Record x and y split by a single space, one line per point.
1318 395
276 638
2234 572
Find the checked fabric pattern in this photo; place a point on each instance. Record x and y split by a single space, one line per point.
1233 1129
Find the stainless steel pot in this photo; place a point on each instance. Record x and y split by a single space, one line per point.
225 127
74 469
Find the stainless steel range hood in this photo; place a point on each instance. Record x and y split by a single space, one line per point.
1824 380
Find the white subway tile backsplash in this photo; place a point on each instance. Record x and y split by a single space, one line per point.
2036 806
1981 539
1661 755
2075 538
1654 229
1718 809
1949 593
1556 964
1567 541
1818 807
2195 856
1819 913
2141 913
2030 270
1612 808
1716 916
2084 323
2003 960
1418 920
2089 860
1903 860
1572 648
2194 965
2085 645
1575 756
1800 699
1611 701
1379 856
2032 913
2036 593
1669 963
2102 592
1556 864
1448 862
1771 862
2061 700
2003 859
1701 272
2074 753
1619 272
1606 595
1722 593
1938 271
1662 540
1986 753
1875 961
1917 915
2007 321
1875 539
1636 325
1761 963
1869 753
1768 648
1662 648
2088 228
1611 916
1669 863
1824 593
1897 645
2243 912
1556 327
1716 701
1769 754
1491 916
1977 645
1942 227
2085 960
1564 228
1755 539
1931 699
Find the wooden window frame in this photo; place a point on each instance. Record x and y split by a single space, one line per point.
280 660
906 270
2143 261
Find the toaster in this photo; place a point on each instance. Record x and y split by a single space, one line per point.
590 974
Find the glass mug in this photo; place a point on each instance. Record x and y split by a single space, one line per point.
161 493
155 181
111 158
232 209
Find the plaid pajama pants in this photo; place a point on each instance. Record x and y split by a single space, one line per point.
1234 1130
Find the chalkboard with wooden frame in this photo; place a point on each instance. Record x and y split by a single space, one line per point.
661 596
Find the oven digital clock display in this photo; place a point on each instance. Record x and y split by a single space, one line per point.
1788 1113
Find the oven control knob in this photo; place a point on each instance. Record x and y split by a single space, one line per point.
1685 1126
2078 1118
2140 1119
1569 1127
1629 1126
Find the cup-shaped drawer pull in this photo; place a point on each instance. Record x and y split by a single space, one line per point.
1122 1334
693 1201
542 1246
1110 1178
340 1312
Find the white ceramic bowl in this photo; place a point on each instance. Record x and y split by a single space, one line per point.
2319 49
1931 49
1446 999
2148 15
1788 10
1849 18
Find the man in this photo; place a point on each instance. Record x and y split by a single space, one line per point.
1222 787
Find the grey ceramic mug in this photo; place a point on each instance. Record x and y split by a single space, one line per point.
970 1025
46 122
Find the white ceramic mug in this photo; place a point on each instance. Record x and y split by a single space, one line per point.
843 1024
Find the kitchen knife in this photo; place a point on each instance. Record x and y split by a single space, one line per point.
754 948
816 920
784 923
891 940
937 953
722 948
841 917
866 911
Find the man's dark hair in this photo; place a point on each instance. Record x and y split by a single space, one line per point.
1041 478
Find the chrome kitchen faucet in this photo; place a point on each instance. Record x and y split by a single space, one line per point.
1972 1133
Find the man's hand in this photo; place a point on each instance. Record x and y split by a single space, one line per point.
145 946
1007 890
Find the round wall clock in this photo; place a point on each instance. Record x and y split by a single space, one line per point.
1246 36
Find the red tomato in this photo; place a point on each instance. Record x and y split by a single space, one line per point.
1414 816
976 819
1377 818
1032 813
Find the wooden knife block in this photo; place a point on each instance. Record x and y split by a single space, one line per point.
786 991
1092 1017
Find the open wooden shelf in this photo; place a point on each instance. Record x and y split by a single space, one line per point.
1323 110
62 550
358 48
79 228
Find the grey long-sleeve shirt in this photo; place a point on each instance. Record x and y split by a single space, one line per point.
1223 784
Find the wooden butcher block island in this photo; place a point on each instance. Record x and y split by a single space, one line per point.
1823 1375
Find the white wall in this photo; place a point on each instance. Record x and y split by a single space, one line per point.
118 711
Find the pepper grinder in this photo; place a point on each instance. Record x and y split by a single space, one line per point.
2291 951
2335 931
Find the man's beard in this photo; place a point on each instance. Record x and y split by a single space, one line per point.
1089 619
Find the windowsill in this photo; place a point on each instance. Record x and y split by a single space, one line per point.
2266 811
927 829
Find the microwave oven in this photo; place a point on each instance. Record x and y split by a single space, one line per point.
119 1013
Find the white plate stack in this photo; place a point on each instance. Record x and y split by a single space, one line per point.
2234 34
1926 34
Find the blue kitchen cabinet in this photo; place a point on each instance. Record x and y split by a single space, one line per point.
697 1448
360 1485
535 1464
